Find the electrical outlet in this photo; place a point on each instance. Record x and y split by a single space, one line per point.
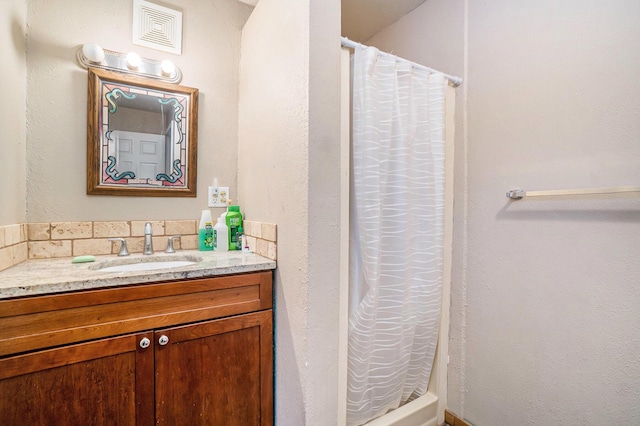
219 198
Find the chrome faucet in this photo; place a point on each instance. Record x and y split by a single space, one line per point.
170 248
148 241
123 246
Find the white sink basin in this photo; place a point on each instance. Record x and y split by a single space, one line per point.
144 263
147 266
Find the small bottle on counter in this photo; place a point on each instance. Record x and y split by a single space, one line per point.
221 235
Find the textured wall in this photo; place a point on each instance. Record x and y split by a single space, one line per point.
57 86
552 321
289 173
12 115
547 288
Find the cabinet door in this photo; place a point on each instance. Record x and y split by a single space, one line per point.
105 382
216 373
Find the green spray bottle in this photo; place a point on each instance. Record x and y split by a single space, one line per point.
205 232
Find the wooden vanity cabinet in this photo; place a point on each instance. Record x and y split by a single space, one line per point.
83 384
195 352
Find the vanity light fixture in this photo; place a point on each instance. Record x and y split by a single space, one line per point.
92 55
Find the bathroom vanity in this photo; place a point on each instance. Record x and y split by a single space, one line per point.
184 351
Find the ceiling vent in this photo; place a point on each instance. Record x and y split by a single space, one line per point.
157 27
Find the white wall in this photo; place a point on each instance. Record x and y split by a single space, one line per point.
545 325
553 330
440 25
12 113
57 102
323 329
289 170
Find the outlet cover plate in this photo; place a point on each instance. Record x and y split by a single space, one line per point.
218 198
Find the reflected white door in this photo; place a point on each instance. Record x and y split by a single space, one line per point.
141 153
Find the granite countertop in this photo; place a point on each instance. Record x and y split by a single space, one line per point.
47 276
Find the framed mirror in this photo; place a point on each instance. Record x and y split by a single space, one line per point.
142 136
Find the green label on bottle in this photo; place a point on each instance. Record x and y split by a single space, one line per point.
205 238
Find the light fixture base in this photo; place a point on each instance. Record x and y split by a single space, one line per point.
116 61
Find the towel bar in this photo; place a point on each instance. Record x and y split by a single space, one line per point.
518 194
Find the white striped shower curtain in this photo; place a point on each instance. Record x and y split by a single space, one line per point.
397 211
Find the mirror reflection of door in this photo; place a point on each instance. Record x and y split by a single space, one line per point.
142 153
142 128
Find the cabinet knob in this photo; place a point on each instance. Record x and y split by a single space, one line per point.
163 340
144 343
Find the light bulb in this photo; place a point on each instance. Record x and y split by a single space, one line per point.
168 68
93 52
133 60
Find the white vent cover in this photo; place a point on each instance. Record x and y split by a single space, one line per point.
157 27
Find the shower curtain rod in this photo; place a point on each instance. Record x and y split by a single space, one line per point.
453 80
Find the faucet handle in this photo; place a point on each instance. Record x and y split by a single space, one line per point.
123 246
170 248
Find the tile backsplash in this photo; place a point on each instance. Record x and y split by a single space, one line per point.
62 239
23 241
261 238
13 245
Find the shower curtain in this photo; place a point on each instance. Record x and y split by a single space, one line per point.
396 241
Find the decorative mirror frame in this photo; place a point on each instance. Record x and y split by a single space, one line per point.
102 176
